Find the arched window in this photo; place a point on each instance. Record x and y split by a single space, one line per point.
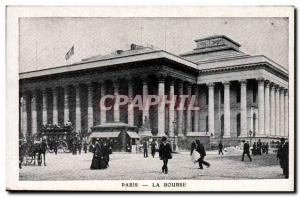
238 124
222 125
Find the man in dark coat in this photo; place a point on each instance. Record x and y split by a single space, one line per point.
282 155
153 148
259 147
200 149
220 148
85 145
165 153
145 147
285 158
246 151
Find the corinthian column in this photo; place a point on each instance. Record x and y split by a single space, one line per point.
281 112
145 101
130 104
243 108
286 113
55 112
116 104
188 111
171 108
102 111
267 109
211 110
272 112
77 109
161 107
34 112
24 127
180 111
277 112
66 104
44 107
261 108
90 106
226 109
196 112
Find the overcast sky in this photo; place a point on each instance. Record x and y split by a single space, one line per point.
45 41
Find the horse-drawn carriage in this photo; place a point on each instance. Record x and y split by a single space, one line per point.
49 138
58 138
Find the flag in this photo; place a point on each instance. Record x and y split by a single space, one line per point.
70 53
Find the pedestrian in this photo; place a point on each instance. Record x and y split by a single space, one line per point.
193 147
85 146
145 148
55 146
259 147
285 154
267 148
201 150
282 155
246 150
254 149
79 146
153 148
165 153
98 161
221 148
74 149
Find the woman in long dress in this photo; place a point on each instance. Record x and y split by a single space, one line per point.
98 161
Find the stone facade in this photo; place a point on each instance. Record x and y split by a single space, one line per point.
236 92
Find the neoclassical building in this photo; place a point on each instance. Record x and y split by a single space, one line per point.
236 92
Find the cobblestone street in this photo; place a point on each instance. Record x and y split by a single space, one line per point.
134 167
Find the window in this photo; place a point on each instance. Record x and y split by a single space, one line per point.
222 96
238 94
238 124
254 94
206 97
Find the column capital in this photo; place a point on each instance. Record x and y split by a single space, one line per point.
286 92
276 87
210 85
226 83
172 81
161 78
261 81
267 83
243 81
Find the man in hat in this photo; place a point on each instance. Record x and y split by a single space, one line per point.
165 153
145 147
246 150
282 155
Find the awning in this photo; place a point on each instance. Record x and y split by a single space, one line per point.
105 134
133 135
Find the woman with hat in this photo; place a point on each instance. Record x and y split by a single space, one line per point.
165 153
98 161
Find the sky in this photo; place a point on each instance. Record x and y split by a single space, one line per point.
45 41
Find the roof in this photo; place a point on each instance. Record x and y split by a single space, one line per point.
218 36
133 135
112 125
130 56
105 134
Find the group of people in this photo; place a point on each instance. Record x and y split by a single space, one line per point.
153 147
260 148
101 152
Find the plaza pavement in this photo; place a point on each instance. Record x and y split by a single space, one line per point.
126 166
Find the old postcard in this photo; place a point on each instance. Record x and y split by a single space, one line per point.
176 99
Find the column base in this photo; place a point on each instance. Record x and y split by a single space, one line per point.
260 135
243 136
226 136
